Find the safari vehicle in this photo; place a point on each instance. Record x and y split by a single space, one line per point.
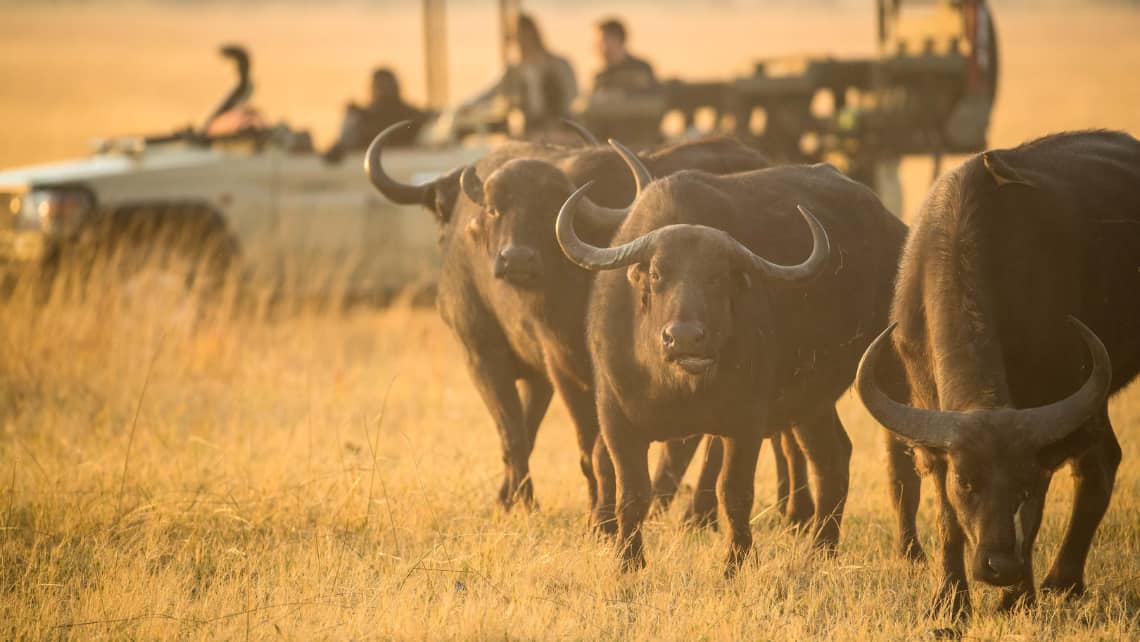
193 202
262 194
928 91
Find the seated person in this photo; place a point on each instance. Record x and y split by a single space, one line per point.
236 121
385 107
628 102
541 83
623 72
234 115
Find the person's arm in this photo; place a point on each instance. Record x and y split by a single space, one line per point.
600 80
487 95
349 133
650 75
569 85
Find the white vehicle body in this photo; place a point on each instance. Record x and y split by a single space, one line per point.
291 213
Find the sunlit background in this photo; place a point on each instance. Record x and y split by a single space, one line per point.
241 470
71 72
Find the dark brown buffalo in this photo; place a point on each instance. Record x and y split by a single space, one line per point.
515 303
520 201
1006 384
738 313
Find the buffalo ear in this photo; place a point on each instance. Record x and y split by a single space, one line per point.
1001 172
636 275
443 197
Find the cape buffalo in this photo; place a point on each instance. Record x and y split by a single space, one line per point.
515 303
734 318
1003 390
520 200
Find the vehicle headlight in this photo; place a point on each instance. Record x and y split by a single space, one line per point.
10 206
54 211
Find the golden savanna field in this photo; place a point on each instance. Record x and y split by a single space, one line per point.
176 472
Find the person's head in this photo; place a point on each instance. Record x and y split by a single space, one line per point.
528 36
611 40
384 88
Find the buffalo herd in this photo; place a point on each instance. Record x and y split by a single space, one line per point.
699 289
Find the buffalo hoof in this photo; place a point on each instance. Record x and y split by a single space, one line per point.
1017 600
604 524
912 552
799 517
826 544
1071 589
736 558
947 633
632 563
952 602
521 496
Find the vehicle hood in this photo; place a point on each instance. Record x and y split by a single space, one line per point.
101 166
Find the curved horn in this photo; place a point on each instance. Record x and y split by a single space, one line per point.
586 135
1051 423
599 217
641 174
933 428
587 256
395 191
472 185
812 265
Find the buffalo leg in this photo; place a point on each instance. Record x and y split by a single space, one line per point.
535 393
584 413
906 490
1029 522
800 508
954 591
1095 473
494 377
828 451
783 485
903 480
674 461
702 511
604 518
630 455
736 490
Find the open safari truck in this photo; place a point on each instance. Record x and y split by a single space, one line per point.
262 199
245 201
928 91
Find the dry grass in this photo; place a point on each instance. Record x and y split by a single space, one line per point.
171 475
182 474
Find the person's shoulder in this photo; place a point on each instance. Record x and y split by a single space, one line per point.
560 61
563 65
640 63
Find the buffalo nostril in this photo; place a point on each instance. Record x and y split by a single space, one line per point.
685 336
1002 566
516 258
